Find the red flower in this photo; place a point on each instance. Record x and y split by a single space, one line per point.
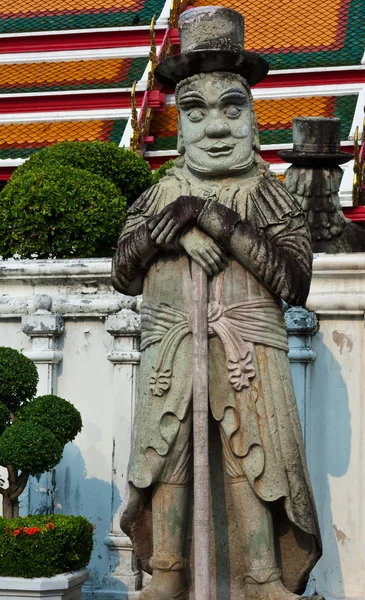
49 526
31 530
16 532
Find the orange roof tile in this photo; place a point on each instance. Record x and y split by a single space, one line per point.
278 114
44 15
70 75
22 139
302 33
283 24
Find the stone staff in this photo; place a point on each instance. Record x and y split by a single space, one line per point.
200 431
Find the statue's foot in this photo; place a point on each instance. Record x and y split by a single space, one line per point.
274 590
168 585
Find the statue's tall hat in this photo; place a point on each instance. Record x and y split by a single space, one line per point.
316 143
211 39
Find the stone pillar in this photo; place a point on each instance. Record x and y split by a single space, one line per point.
124 574
43 327
301 326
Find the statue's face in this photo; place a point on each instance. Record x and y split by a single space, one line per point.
216 125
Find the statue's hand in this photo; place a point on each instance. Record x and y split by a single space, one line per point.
204 251
167 226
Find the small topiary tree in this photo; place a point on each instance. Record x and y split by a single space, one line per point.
60 212
33 430
162 171
125 169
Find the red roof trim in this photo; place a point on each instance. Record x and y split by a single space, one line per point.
78 41
97 101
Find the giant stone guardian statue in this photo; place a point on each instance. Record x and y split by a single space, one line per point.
222 208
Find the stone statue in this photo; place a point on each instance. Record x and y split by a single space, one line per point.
314 180
221 207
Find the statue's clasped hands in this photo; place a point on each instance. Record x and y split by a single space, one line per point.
172 224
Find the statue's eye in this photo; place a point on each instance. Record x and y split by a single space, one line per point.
195 115
233 112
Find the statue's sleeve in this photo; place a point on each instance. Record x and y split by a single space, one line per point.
135 247
273 242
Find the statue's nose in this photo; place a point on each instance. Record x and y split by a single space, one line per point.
217 128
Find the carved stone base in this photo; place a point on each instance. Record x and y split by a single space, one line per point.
124 574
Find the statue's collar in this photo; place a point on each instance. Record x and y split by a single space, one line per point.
214 188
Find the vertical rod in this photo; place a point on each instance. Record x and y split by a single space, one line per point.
200 432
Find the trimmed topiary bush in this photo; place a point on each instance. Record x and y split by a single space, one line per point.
30 447
58 415
61 212
162 171
44 546
125 169
18 378
32 443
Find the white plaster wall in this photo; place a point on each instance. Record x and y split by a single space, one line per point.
335 424
97 373
83 481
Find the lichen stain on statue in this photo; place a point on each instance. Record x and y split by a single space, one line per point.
221 207
314 180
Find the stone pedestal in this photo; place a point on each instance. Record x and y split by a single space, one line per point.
124 573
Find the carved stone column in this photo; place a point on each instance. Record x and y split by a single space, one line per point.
124 574
43 327
301 326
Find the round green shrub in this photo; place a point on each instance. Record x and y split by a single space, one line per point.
29 447
64 543
58 415
61 212
162 171
128 171
18 378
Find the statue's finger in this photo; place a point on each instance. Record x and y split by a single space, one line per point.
160 227
203 264
165 232
211 262
152 222
173 233
216 250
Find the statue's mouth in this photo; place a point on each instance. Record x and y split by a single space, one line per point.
219 150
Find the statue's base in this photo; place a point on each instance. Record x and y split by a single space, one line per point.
226 553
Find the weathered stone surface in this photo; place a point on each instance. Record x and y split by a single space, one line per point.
314 180
221 209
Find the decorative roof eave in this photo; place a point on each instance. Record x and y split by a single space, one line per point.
101 100
99 39
71 55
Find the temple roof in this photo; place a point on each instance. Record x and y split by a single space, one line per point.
295 34
20 140
71 75
67 66
51 15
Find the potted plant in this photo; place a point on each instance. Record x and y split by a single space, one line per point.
40 555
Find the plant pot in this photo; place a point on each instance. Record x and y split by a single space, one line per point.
66 586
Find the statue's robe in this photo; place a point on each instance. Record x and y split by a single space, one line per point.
251 392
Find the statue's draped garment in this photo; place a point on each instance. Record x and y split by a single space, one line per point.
251 392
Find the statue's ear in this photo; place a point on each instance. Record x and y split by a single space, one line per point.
180 139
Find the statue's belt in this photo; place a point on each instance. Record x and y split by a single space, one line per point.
257 321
